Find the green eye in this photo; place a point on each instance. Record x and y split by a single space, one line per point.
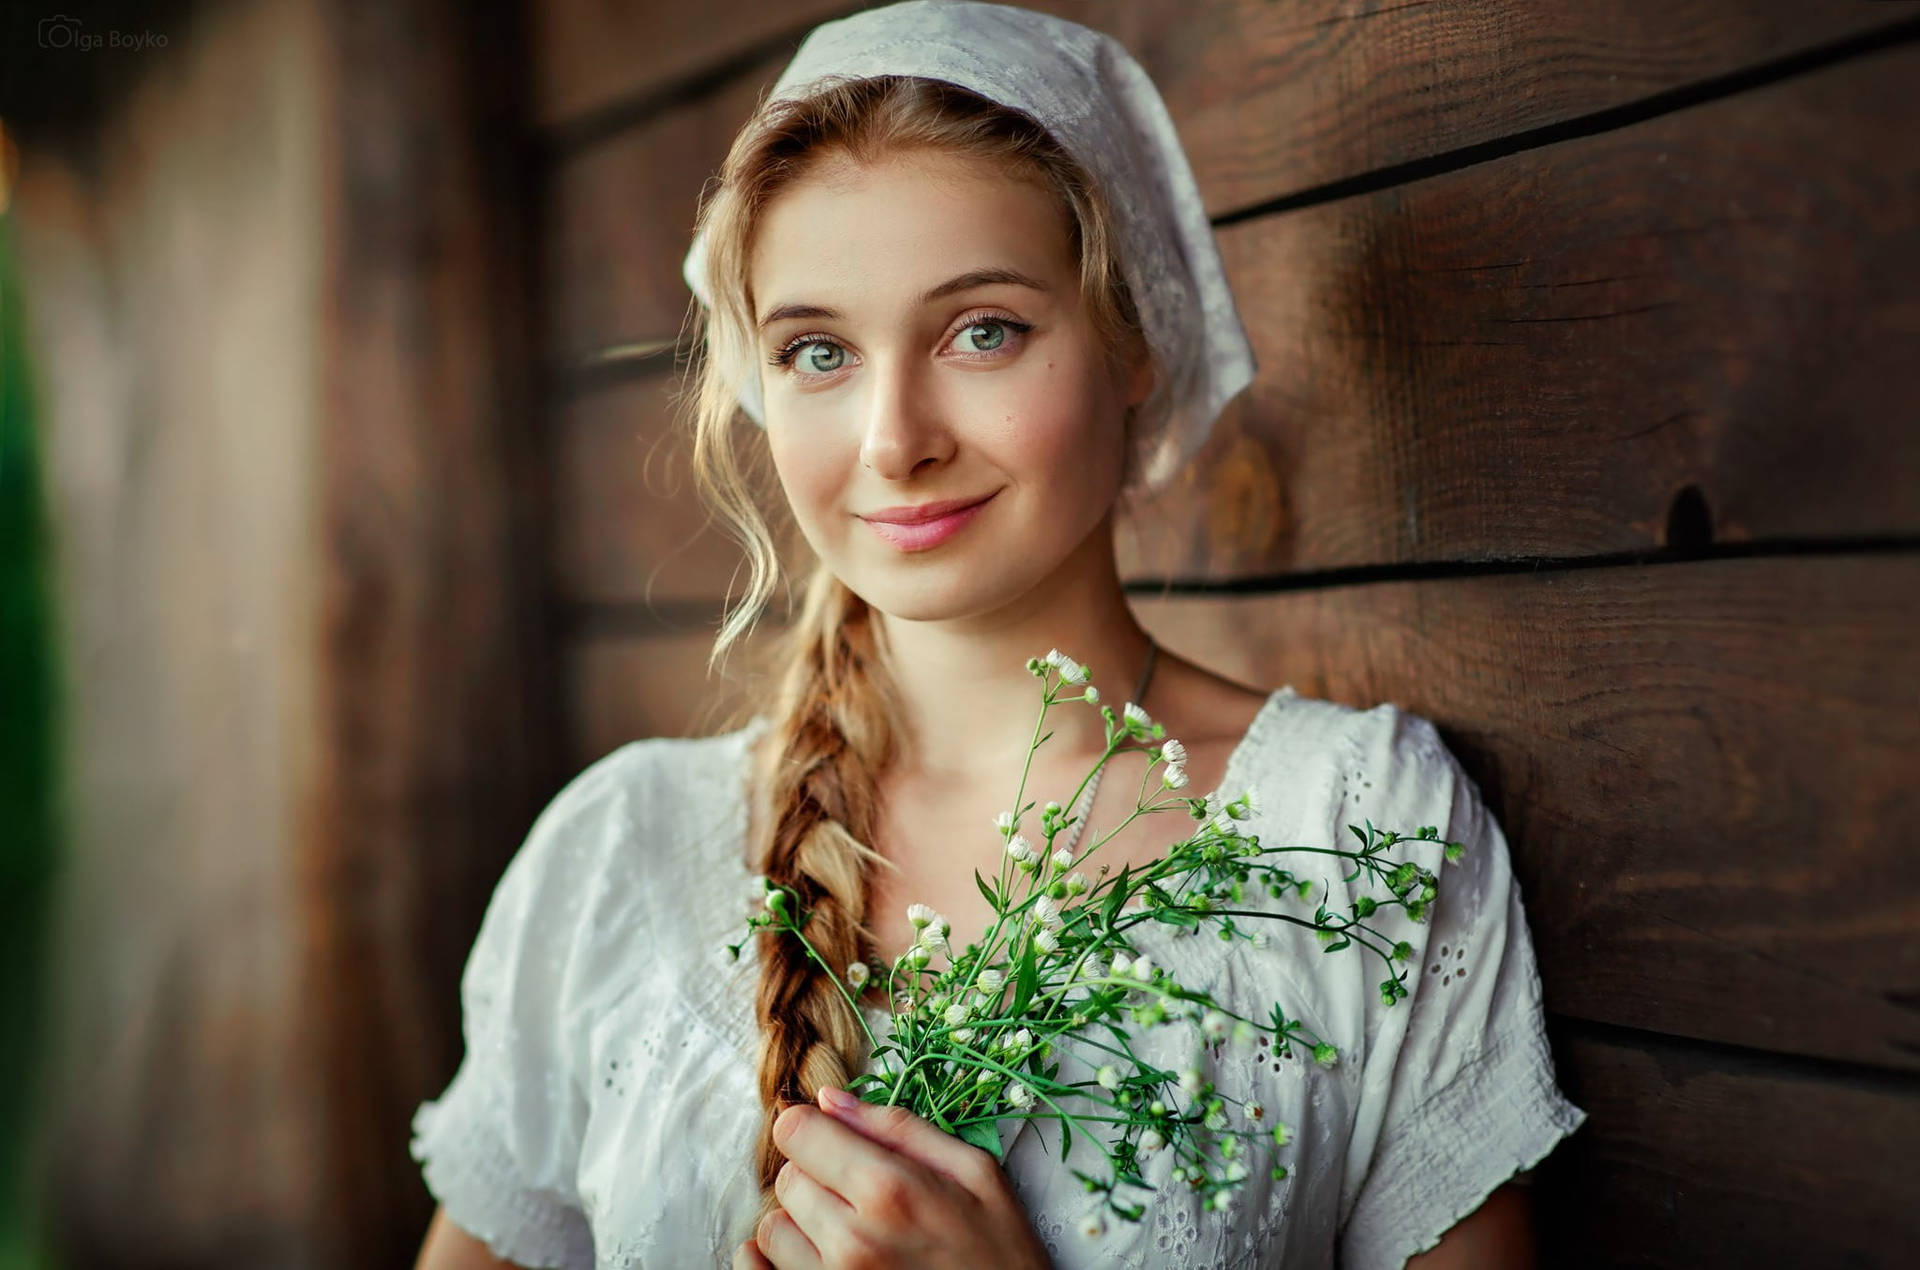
1000 335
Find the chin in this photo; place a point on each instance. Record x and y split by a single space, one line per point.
963 589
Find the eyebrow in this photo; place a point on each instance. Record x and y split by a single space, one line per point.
952 286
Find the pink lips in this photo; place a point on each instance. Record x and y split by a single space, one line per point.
920 535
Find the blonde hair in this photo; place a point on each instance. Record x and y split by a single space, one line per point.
836 710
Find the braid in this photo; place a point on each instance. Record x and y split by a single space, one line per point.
834 731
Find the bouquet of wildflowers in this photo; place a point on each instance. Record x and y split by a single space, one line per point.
974 1040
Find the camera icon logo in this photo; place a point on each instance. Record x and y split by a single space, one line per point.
59 32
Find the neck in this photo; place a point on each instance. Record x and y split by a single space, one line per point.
969 705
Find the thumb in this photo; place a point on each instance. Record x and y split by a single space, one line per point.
912 1136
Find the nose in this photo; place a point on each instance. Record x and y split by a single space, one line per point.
904 425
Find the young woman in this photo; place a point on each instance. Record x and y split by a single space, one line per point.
956 270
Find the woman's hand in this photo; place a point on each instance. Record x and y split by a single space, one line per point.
872 1187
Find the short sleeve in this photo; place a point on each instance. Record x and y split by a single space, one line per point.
500 1146
1458 1093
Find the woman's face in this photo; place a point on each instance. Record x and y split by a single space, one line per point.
931 344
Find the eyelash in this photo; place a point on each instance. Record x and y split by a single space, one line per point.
784 355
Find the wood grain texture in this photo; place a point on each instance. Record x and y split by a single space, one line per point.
1697 329
436 685
631 527
1270 98
1697 1158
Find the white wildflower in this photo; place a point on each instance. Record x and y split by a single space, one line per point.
1253 800
1215 1121
920 915
990 980
1237 1171
1020 1040
1047 912
1046 941
1108 1076
1091 695
1151 1141
1072 671
1076 883
1093 1225
1259 939
1062 858
1136 717
1122 965
919 955
857 974
1004 823
1143 968
1173 752
1190 1081
1223 821
1175 777
1020 849
1019 1095
961 1035
1256 1109
956 1013
1214 1024
933 939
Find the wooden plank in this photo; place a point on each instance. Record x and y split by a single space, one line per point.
621 220
631 526
1694 1158
597 57
171 254
1263 93
438 738
621 688
1651 338
1709 774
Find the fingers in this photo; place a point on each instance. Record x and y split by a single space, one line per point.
916 1138
784 1244
823 1217
747 1257
844 1160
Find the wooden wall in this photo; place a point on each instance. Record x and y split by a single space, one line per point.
1586 426
277 276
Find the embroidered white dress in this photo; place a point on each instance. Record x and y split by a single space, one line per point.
605 1112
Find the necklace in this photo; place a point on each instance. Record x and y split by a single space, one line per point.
1081 808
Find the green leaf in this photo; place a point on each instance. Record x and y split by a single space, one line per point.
983 1134
1175 917
1066 1135
986 889
1029 980
1116 897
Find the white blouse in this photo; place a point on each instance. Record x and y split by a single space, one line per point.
606 1110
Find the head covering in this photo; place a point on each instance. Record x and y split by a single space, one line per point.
1093 98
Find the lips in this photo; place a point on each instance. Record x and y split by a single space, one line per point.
929 530
923 512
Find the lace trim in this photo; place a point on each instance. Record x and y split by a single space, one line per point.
1503 1114
471 1172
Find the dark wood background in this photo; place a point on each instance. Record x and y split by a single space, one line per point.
1587 426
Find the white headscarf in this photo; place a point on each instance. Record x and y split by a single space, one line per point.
1088 92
